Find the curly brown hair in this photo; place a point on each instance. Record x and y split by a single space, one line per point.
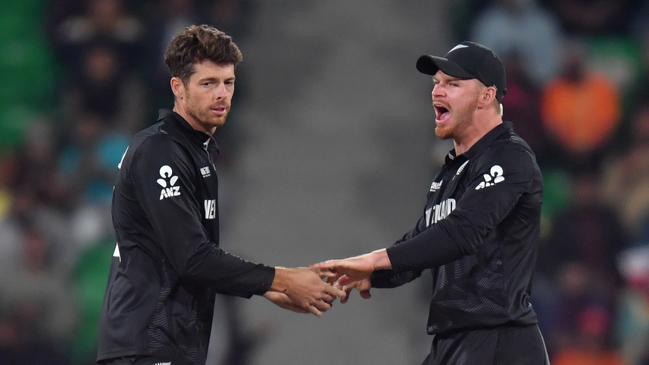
196 44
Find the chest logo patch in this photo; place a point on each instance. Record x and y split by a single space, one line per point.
436 185
205 171
168 182
494 177
461 168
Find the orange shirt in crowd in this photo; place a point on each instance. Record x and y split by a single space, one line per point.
580 116
582 357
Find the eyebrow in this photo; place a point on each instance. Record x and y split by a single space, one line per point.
216 79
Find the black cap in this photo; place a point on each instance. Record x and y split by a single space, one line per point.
468 60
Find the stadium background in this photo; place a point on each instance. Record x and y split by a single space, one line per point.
328 152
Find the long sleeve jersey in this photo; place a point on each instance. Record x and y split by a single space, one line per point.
478 235
167 266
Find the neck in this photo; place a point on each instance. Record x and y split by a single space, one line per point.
195 124
474 132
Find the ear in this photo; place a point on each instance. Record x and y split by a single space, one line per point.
487 96
177 87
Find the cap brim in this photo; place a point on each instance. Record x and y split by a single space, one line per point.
429 65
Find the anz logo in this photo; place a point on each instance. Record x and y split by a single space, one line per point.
494 177
168 183
439 211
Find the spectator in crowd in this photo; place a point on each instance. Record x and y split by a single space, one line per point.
591 345
588 232
626 178
522 27
580 110
89 159
231 16
102 19
36 171
633 326
104 90
593 17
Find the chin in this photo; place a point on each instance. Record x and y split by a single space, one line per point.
218 123
442 133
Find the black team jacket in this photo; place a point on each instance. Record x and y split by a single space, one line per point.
478 235
167 264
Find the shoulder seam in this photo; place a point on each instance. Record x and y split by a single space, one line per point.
148 139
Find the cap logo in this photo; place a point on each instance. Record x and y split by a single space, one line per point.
459 46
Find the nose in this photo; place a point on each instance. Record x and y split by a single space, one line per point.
438 91
221 91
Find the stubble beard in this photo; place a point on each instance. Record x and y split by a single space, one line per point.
461 118
442 133
205 117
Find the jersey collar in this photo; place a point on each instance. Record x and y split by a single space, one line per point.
179 123
483 143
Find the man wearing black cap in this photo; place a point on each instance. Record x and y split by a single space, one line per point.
479 229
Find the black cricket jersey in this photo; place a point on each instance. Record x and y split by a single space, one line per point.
478 235
167 266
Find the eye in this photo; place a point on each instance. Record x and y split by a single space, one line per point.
454 83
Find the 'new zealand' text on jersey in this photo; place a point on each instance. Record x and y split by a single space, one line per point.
167 265
478 235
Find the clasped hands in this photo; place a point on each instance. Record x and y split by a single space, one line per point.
314 289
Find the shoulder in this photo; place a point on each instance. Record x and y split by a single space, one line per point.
152 148
510 147
155 142
511 153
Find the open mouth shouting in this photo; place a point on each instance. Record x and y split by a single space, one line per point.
442 113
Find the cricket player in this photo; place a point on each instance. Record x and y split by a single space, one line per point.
167 266
478 233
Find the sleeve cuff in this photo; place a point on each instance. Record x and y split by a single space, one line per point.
266 277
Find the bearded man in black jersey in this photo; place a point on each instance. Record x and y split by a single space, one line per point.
479 230
167 266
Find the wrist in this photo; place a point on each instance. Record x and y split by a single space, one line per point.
280 281
380 260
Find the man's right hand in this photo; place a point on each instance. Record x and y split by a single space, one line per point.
306 289
363 287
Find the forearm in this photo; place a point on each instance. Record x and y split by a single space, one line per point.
433 247
229 274
392 279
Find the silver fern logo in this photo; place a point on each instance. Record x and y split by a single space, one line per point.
168 183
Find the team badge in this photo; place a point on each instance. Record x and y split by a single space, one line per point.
168 182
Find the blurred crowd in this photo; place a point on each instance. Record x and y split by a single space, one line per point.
577 76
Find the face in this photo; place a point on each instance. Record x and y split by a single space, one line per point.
205 99
454 102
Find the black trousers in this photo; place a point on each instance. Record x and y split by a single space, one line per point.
506 345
